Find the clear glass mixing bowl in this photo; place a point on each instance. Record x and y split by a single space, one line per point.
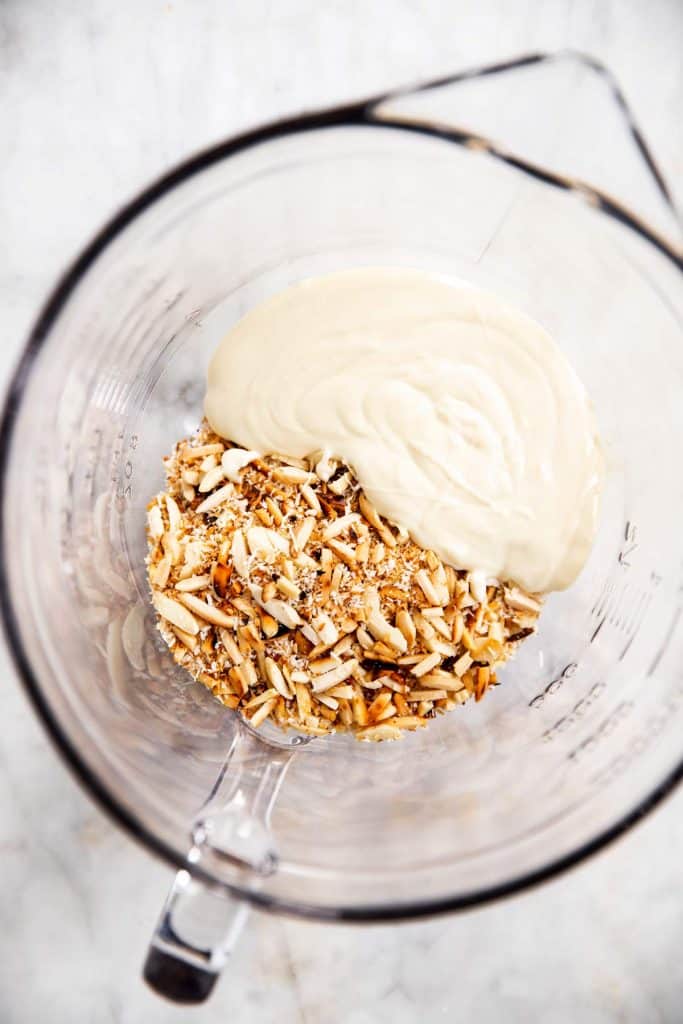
583 736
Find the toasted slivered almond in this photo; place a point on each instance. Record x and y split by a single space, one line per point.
420 695
405 623
262 712
340 484
160 573
155 522
269 625
328 702
382 701
311 498
442 627
344 691
392 684
175 613
303 699
234 460
186 639
191 477
362 552
342 646
207 612
388 712
276 678
191 453
408 722
425 584
230 647
283 612
379 732
321 665
302 533
265 543
211 479
287 588
193 583
359 707
325 629
210 462
364 638
515 598
260 699
338 526
483 678
401 704
172 548
336 675
369 512
217 498
247 673
292 475
462 664
441 681
440 647
343 551
432 613
426 665
337 576
458 627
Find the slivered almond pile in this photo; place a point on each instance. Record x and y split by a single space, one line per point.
279 587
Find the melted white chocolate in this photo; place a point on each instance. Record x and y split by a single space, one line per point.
460 416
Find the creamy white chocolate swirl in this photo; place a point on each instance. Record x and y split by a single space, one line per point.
461 417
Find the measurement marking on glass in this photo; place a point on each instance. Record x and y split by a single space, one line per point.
665 643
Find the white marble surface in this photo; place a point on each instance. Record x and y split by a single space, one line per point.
96 99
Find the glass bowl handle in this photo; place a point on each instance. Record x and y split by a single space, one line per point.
200 924
560 117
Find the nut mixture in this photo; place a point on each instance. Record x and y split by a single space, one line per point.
279 587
